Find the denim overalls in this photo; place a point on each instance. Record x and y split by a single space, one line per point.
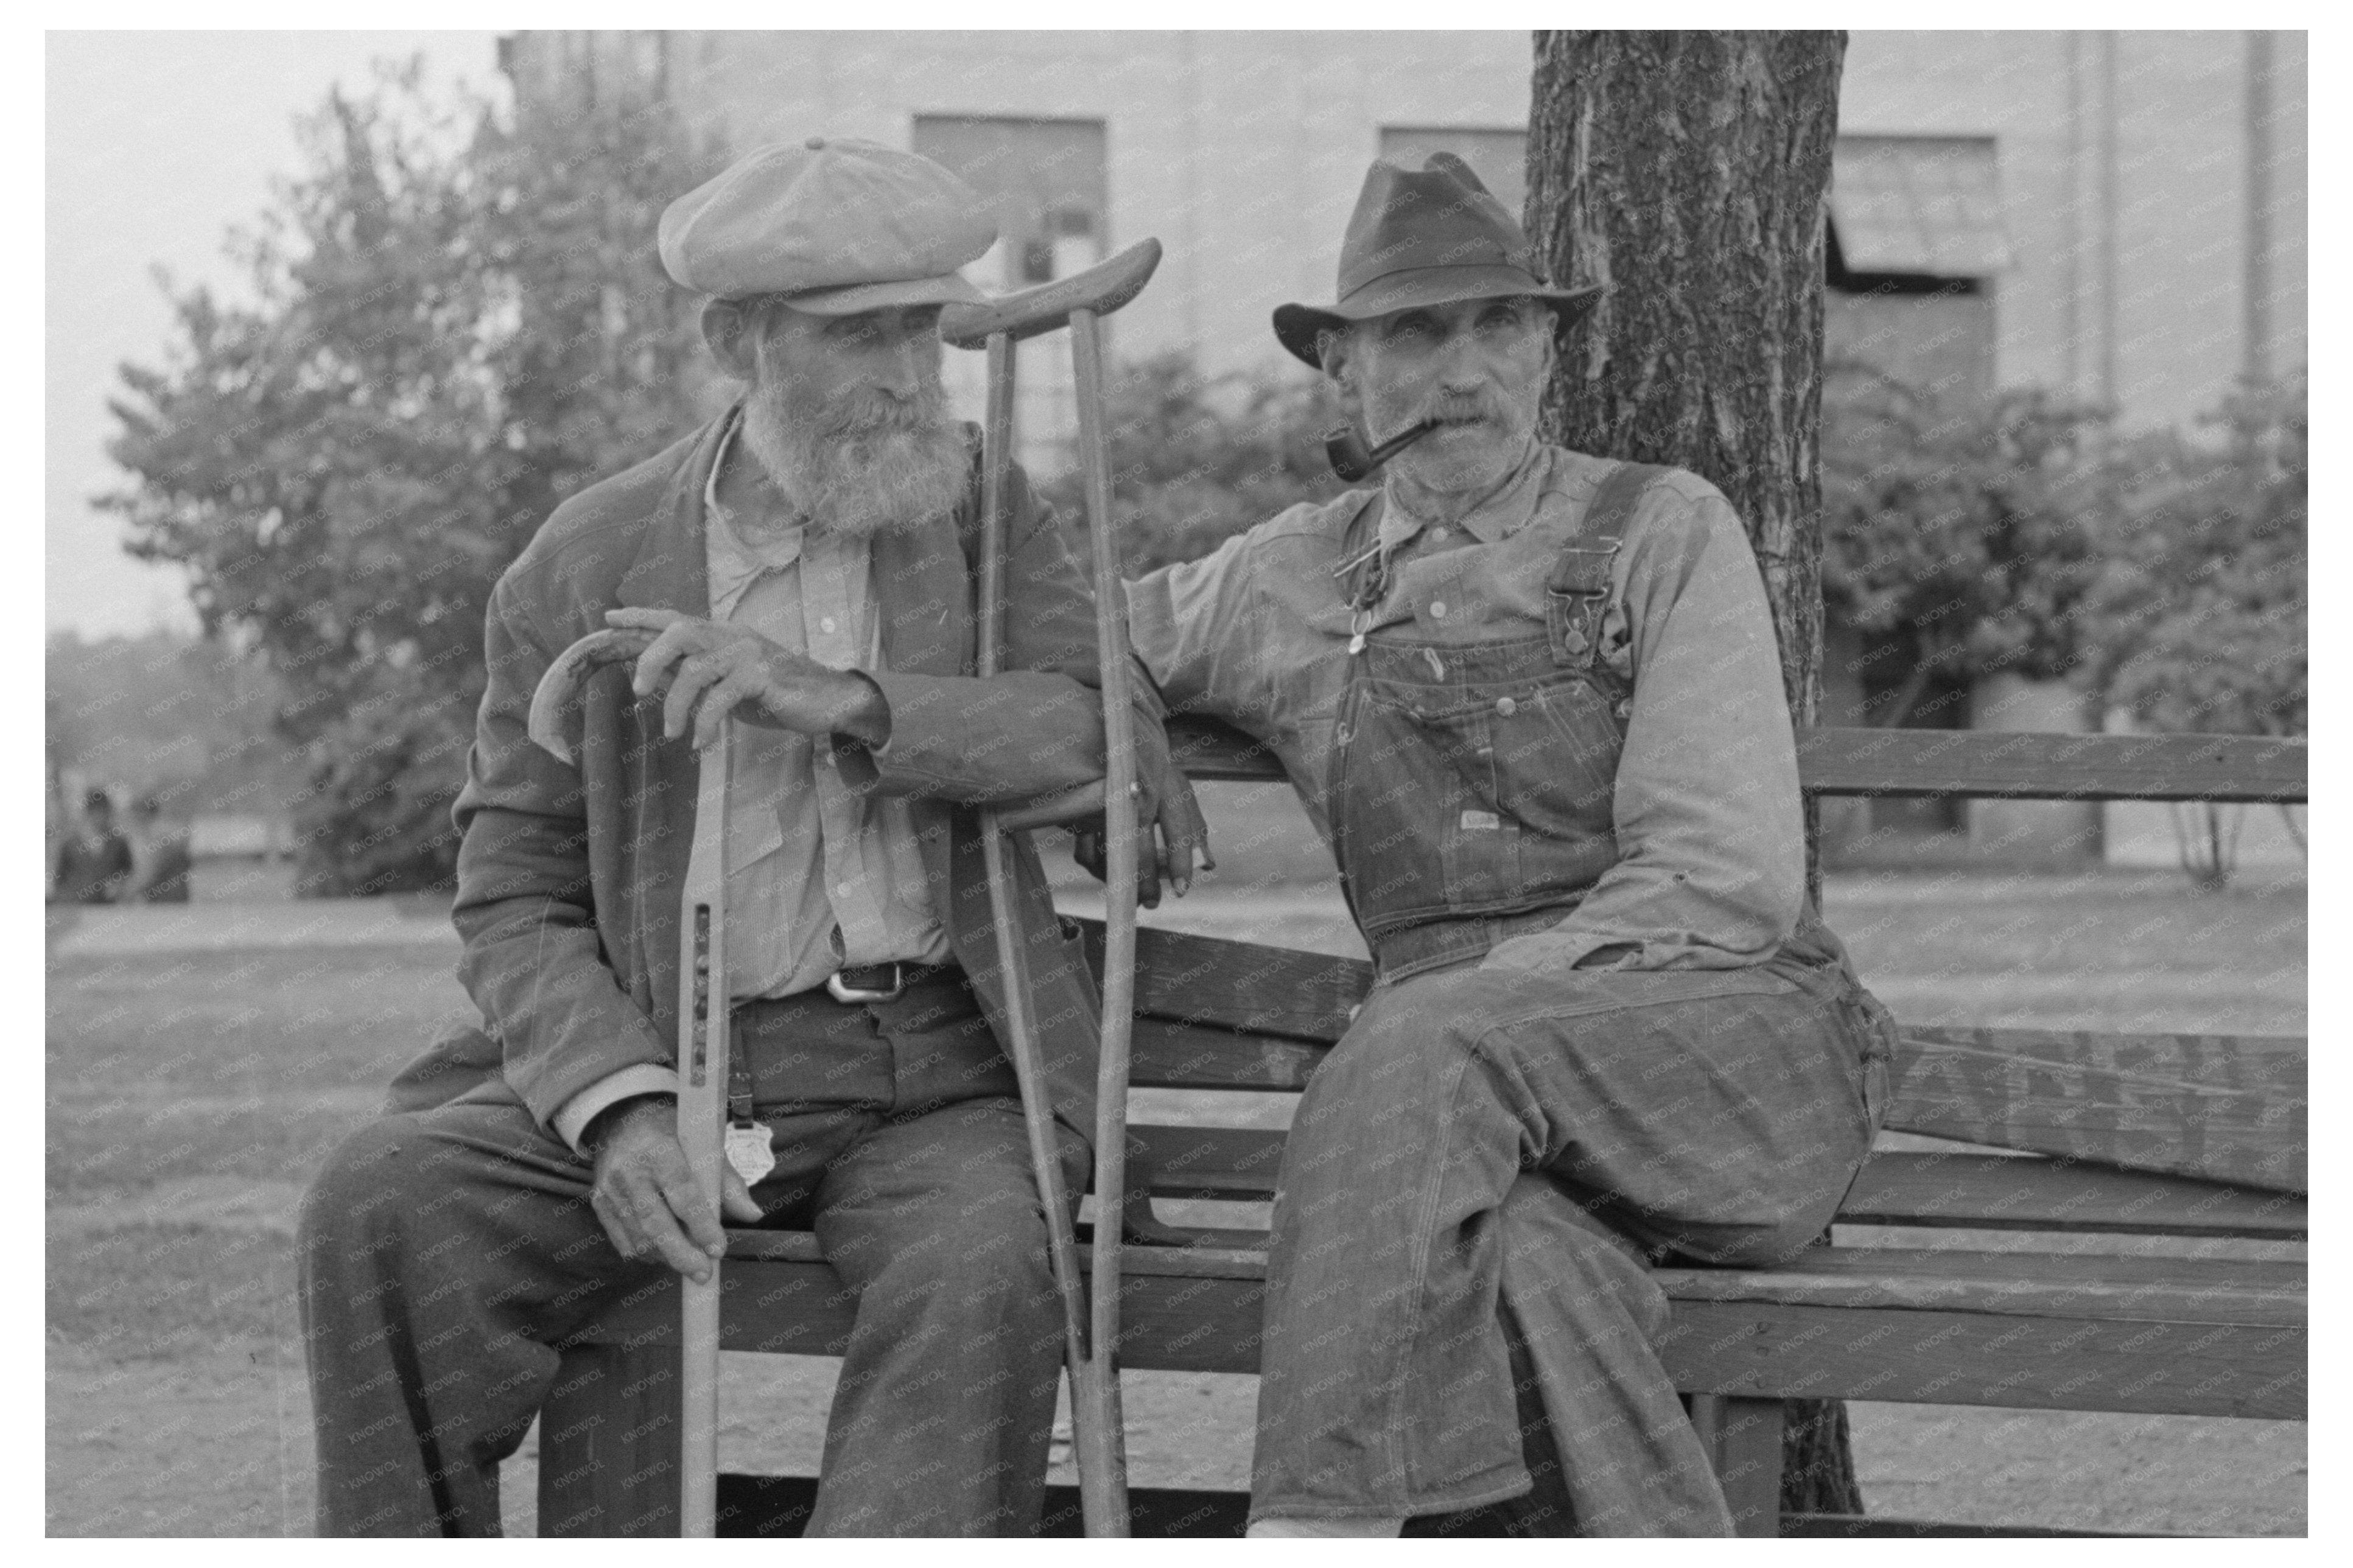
1472 786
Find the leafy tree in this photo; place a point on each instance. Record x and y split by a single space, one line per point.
454 323
1969 529
1195 459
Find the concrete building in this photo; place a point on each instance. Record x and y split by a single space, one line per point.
2118 213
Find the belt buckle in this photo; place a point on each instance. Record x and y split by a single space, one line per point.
842 992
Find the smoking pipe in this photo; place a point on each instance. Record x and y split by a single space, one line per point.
1352 460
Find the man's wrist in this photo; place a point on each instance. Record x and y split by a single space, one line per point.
603 1124
868 718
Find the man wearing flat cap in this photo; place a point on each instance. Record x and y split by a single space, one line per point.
1531 696
805 564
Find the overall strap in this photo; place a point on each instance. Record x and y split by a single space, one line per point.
1364 573
1579 586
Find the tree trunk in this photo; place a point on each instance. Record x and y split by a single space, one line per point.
1686 172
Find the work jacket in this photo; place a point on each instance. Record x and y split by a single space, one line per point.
569 880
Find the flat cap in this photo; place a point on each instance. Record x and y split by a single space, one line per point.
836 224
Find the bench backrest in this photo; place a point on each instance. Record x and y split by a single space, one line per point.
1218 1015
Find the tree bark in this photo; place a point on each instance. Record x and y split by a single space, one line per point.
1686 172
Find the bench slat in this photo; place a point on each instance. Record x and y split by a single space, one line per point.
2033 1284
1987 763
1976 1192
1165 1055
1969 1093
2016 765
1243 985
2072 1284
2034 1090
2000 1191
1750 1349
1234 1163
1196 1312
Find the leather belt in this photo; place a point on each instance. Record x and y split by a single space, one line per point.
880 981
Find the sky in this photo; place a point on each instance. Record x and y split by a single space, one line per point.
157 144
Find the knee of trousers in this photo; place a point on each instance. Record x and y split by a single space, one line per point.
1561 1262
1409 1043
372 1179
976 1270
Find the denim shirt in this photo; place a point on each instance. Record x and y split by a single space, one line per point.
1710 869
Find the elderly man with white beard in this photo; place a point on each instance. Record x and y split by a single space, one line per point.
804 564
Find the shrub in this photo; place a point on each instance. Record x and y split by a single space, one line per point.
2200 606
1968 528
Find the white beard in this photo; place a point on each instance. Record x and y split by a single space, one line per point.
870 466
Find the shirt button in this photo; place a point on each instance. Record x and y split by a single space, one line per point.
1440 535
1437 610
1506 706
826 625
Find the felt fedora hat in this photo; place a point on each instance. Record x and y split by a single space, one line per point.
1427 236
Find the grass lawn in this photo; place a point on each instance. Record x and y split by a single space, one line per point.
190 1095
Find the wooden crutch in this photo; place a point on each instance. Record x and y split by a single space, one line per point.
702 1017
1090 1338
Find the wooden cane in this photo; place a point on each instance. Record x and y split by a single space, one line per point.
702 1017
702 1042
1090 1338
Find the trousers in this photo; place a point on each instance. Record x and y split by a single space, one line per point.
1481 1171
444 1252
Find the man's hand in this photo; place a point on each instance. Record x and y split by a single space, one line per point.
1174 834
709 669
647 1198
1550 952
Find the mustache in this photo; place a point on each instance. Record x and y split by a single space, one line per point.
873 411
1456 409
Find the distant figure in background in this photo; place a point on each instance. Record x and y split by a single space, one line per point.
95 865
159 856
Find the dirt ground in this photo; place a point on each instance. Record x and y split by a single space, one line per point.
197 1072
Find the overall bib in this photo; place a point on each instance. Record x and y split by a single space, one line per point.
1481 1171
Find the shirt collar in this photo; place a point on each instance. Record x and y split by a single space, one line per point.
731 564
1504 513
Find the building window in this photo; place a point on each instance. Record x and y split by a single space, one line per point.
1500 158
1915 242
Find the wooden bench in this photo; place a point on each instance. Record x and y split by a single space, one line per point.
2099 1135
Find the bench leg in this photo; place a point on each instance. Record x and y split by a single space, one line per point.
608 1443
1743 1437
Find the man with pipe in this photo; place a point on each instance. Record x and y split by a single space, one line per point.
1532 698
802 564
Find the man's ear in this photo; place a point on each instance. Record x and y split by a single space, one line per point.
727 328
1332 351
